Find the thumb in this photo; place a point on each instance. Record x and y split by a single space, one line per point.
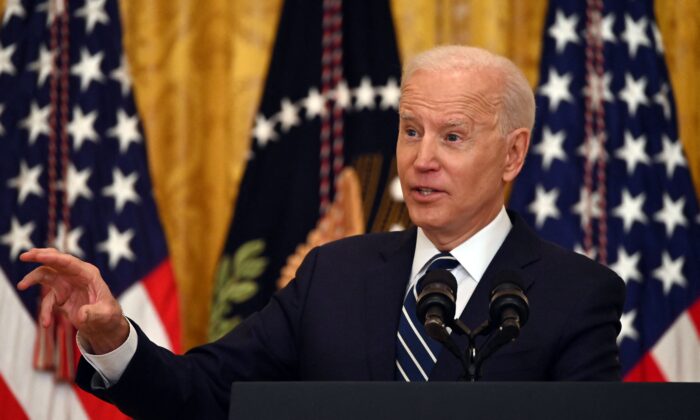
101 316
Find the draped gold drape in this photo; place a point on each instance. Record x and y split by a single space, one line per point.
199 68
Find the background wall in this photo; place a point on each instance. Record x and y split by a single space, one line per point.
199 67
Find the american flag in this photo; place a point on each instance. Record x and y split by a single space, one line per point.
607 176
73 174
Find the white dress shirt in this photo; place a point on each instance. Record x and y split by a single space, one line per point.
474 255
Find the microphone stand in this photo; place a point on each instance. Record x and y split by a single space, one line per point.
469 357
472 358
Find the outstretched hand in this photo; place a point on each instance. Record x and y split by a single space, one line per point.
77 289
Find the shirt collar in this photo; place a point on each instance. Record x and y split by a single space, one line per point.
474 254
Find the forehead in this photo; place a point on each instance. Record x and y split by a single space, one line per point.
468 92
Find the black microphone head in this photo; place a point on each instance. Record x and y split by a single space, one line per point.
438 276
437 290
507 293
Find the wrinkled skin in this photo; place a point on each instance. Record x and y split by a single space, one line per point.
76 288
453 160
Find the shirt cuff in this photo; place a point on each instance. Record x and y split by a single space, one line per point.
112 365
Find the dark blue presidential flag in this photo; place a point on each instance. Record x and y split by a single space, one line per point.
73 175
607 176
330 103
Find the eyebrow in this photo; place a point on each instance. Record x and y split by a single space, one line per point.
452 123
455 122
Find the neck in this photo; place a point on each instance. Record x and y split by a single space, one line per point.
446 240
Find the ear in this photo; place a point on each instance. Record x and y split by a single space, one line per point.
517 142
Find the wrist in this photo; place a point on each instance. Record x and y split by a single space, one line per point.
104 342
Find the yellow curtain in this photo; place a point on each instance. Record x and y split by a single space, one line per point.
199 68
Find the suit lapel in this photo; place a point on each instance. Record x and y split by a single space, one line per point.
384 293
519 250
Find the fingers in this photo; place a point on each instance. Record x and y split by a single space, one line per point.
46 309
41 275
61 262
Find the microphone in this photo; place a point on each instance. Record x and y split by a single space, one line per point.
509 308
435 306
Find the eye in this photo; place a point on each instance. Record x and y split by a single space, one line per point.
411 132
452 137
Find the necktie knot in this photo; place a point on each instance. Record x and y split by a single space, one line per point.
443 260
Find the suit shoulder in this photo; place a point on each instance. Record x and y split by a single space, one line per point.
569 263
368 242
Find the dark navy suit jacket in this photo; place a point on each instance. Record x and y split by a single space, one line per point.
338 320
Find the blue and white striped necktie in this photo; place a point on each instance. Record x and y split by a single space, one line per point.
416 352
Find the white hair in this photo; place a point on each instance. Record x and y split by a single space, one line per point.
518 109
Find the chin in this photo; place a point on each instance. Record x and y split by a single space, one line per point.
427 221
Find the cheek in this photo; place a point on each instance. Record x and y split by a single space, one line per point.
403 157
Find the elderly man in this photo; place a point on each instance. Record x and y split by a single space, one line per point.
465 120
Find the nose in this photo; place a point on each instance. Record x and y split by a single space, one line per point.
427 154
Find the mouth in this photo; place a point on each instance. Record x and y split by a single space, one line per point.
426 193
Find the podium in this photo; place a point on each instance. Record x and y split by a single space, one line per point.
472 401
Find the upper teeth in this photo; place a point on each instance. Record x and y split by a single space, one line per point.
425 191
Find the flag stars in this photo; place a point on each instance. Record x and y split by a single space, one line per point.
288 115
122 75
633 152
69 242
117 245
26 182
661 98
42 65
626 266
671 155
18 238
591 253
6 65
551 147
389 94
342 95
630 210
670 272
633 93
592 150
606 28
93 12
364 95
122 189
13 8
88 69
557 89
37 122
587 206
264 130
315 104
671 214
563 30
598 89
82 127
628 330
78 184
545 205
126 130
658 40
52 9
635 34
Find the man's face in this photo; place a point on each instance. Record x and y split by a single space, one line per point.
450 153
